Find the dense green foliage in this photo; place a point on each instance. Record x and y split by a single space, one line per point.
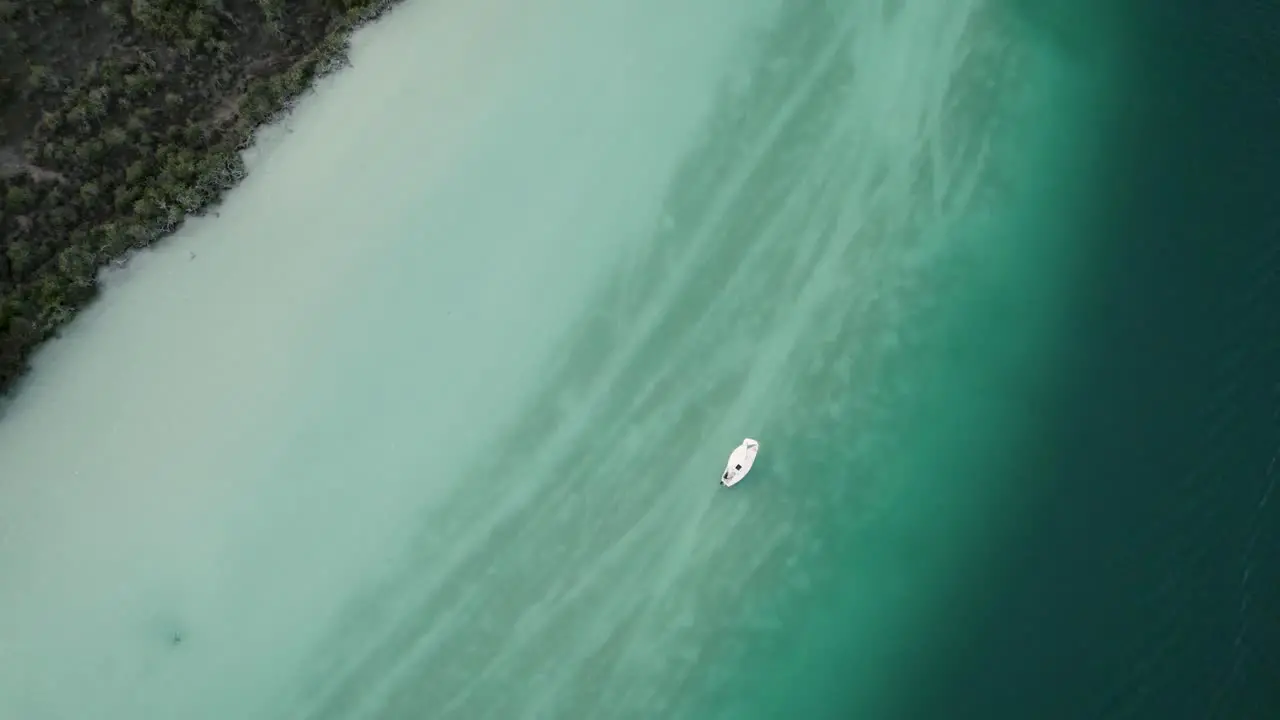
119 118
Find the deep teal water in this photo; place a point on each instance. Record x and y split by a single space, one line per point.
1144 579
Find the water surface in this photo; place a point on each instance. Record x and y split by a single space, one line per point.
427 422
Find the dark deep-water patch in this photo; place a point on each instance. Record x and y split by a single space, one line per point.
1145 582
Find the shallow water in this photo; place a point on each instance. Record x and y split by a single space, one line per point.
428 421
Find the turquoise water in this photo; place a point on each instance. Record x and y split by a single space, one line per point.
428 421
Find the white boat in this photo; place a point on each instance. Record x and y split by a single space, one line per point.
740 461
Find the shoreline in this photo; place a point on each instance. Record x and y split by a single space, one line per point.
140 138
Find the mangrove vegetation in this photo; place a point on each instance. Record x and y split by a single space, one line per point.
120 118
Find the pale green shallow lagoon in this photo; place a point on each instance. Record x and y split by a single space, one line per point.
430 425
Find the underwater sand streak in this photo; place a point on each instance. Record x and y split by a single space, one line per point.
801 220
